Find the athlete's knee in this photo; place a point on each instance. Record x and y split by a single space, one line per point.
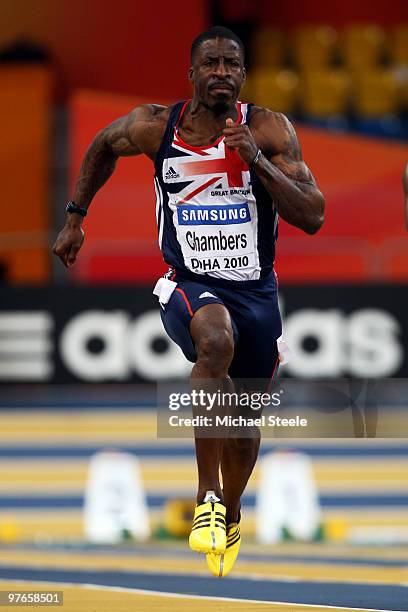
215 349
246 446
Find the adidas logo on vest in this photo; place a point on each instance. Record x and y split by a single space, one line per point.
171 174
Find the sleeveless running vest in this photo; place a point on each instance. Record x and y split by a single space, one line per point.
213 214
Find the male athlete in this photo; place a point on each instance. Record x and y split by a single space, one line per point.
224 172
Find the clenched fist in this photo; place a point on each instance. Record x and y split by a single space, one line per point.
239 137
68 243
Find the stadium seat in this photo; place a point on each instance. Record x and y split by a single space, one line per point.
375 93
362 46
313 47
399 45
275 89
400 74
268 48
324 92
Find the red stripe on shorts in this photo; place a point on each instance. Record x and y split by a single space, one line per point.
186 300
273 374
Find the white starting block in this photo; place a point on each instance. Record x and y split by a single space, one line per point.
115 502
287 498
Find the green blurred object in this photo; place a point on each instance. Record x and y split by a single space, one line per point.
319 535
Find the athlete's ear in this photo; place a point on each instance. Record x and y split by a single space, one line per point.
244 73
190 74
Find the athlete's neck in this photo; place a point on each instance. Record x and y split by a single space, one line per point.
217 116
200 126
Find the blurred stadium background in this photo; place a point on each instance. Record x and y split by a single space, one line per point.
80 352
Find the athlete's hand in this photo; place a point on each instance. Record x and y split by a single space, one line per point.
68 243
239 137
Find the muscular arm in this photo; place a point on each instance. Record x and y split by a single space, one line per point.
289 181
281 169
138 132
126 136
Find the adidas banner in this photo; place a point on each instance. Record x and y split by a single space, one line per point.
69 334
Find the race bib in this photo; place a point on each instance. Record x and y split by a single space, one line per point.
216 237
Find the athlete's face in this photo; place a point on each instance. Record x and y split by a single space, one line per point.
217 73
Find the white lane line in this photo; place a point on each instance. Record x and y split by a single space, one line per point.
196 597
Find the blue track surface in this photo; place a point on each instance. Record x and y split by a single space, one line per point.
157 501
378 597
361 451
142 551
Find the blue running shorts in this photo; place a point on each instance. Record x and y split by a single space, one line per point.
254 311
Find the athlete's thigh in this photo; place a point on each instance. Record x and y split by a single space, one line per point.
187 300
212 324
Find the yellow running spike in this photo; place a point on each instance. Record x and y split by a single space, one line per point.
221 565
208 533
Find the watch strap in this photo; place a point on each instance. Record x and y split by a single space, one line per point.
71 207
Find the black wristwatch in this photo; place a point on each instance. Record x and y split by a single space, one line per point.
71 207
